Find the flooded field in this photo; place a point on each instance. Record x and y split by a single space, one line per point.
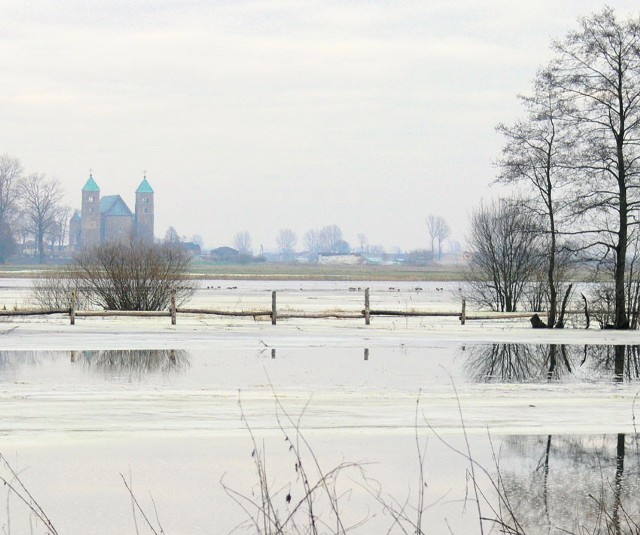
164 407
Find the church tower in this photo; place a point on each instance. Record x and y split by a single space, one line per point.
90 214
144 211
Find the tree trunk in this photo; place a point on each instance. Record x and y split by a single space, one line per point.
40 239
553 291
621 320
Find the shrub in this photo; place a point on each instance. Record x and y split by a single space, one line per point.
134 275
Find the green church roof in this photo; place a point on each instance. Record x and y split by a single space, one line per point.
144 187
114 205
91 185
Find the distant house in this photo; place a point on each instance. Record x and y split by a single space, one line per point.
224 254
103 219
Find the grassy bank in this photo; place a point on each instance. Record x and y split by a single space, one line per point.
268 271
324 272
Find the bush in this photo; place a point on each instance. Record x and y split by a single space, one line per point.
134 275
507 256
53 290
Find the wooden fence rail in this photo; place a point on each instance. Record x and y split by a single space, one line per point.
367 313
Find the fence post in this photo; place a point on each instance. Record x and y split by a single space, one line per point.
72 310
463 314
274 312
173 307
367 307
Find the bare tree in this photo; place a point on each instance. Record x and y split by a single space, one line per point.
21 229
137 275
536 154
598 70
172 236
286 242
505 255
331 238
439 231
7 241
40 199
57 232
432 224
242 241
312 241
443 233
328 239
10 175
57 289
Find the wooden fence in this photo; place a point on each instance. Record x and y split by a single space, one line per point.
366 313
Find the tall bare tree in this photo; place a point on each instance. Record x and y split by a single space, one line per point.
443 233
242 241
439 231
40 198
331 238
328 239
598 70
312 241
536 154
286 242
10 175
58 231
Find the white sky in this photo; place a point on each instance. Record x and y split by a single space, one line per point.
261 115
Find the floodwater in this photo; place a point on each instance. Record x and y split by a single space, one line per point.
552 425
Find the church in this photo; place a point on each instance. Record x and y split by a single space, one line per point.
108 218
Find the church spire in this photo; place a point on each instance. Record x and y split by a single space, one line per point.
91 184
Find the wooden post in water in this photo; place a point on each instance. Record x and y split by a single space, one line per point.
173 307
274 312
72 310
463 314
367 307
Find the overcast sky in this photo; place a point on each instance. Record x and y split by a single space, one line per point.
261 115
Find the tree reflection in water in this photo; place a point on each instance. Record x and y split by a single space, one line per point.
513 363
567 484
11 359
624 360
133 362
564 484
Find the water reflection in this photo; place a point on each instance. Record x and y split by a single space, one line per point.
10 359
514 363
586 484
133 361
624 360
